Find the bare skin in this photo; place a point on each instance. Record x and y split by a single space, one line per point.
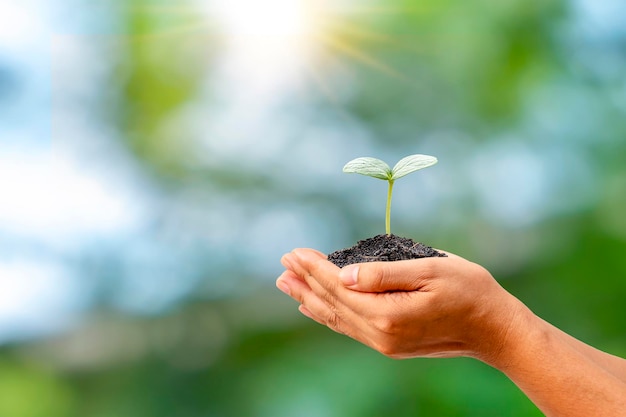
449 307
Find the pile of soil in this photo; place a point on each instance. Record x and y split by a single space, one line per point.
383 248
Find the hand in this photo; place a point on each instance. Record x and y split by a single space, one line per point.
430 307
443 307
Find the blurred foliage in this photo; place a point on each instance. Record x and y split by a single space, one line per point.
168 52
455 78
471 64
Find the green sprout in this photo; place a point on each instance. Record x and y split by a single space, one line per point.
376 168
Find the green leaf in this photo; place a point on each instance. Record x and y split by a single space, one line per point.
371 167
410 164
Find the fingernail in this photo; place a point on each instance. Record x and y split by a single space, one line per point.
283 287
349 275
285 262
305 311
304 255
299 254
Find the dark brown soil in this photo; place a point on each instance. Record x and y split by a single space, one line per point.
382 248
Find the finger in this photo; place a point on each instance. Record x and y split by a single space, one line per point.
318 253
290 262
311 305
408 275
333 322
322 279
286 262
308 263
356 307
360 330
285 259
292 285
312 253
320 274
361 316
326 306
308 313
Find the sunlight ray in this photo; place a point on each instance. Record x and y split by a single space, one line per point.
361 33
363 58
404 43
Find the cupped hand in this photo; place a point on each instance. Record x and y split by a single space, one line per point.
429 307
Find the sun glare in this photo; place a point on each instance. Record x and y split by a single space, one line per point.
292 38
288 33
267 44
289 18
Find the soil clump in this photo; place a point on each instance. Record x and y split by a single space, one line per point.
383 248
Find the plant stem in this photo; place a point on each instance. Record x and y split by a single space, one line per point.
388 211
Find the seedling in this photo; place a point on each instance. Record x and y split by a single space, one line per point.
376 168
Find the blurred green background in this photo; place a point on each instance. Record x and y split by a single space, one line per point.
158 157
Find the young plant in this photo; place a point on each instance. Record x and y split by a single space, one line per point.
376 168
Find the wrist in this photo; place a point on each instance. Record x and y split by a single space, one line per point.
515 326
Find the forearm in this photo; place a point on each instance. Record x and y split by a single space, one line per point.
561 375
611 363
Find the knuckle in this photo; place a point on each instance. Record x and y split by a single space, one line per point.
383 274
384 324
333 321
375 275
426 270
329 298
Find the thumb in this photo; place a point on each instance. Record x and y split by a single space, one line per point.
409 275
